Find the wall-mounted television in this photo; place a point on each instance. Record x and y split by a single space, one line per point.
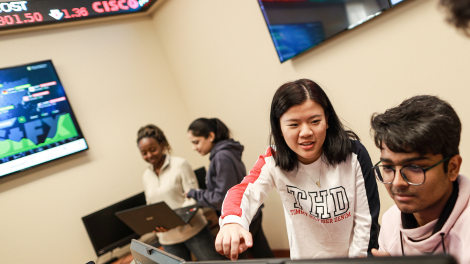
37 124
299 25
20 14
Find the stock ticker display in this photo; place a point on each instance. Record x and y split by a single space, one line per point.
17 14
36 120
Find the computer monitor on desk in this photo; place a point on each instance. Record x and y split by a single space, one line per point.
426 259
108 232
146 254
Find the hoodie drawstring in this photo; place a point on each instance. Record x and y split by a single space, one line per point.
442 241
401 241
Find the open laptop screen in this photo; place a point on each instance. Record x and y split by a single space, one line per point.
146 254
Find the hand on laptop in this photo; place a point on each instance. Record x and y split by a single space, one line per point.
186 193
378 253
159 229
232 240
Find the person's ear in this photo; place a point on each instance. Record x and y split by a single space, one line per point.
453 168
211 136
163 147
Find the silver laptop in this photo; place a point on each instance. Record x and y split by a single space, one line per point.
146 254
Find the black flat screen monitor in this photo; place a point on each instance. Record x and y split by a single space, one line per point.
201 177
106 230
425 259
37 123
299 25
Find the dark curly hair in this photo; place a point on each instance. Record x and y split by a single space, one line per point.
458 14
423 124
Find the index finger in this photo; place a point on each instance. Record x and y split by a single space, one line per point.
234 246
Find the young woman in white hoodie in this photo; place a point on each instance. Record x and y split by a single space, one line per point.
323 175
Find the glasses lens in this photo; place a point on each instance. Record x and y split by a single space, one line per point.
378 175
413 174
385 174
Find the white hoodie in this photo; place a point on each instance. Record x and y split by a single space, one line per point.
339 218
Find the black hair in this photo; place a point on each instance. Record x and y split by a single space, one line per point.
337 145
423 124
458 14
152 131
202 127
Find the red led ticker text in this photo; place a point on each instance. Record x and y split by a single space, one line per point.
77 12
18 19
114 5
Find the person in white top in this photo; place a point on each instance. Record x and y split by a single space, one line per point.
167 179
323 176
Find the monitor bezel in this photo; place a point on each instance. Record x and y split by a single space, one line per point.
266 20
122 242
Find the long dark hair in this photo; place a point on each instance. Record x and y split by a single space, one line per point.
152 131
337 145
202 127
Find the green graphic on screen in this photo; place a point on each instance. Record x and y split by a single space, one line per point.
65 129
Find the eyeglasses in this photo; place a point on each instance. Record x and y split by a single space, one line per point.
413 175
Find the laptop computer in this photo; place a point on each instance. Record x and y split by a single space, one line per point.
146 254
144 219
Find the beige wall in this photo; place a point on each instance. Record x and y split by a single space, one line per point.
116 77
204 58
226 66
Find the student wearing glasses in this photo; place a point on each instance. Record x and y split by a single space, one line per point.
419 166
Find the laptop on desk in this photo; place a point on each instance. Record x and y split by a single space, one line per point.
144 219
146 254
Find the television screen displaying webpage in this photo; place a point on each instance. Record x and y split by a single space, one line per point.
37 123
296 26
